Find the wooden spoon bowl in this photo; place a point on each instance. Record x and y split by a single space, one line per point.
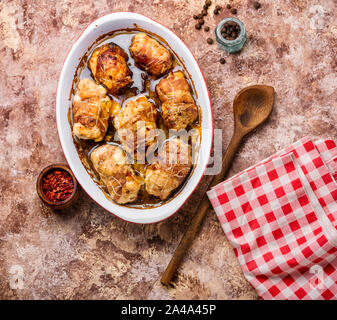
252 106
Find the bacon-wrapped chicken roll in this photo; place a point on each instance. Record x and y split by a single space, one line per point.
108 65
135 125
178 106
170 169
150 55
116 173
91 111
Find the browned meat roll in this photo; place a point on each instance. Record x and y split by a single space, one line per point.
108 65
170 169
178 106
150 55
135 125
91 111
116 173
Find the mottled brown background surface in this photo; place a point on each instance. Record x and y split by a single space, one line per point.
88 253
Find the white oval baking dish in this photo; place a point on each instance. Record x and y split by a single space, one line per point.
104 25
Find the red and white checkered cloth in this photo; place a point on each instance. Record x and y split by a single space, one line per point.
280 216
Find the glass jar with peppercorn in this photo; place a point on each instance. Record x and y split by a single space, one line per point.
230 34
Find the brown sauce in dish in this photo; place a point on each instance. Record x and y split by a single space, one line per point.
143 83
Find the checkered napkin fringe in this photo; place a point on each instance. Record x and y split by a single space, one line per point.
280 216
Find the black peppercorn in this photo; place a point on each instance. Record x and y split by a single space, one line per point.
209 41
216 11
230 30
208 2
195 17
257 5
229 6
201 21
222 60
198 26
206 28
234 11
204 12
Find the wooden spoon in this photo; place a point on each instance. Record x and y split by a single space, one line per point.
251 106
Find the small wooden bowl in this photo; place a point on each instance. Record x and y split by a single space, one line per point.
58 205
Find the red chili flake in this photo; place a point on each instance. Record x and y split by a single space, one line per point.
57 185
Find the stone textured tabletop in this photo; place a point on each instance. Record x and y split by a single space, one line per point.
85 252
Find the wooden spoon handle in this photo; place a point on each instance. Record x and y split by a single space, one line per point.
227 159
196 221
